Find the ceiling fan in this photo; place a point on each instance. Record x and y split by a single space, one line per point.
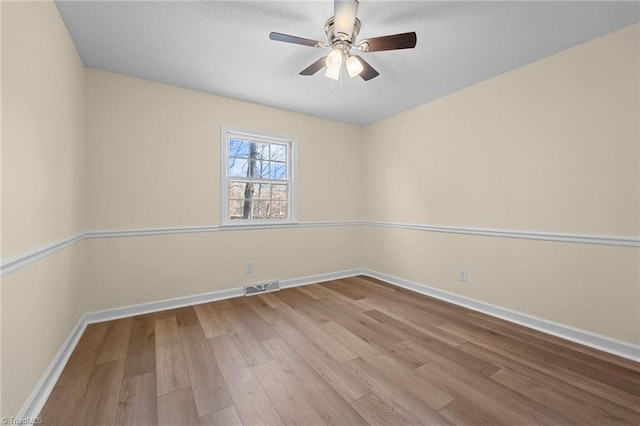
342 29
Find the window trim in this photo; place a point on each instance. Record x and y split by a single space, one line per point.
265 137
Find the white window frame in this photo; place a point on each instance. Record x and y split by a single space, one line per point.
228 132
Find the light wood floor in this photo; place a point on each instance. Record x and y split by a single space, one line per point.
347 352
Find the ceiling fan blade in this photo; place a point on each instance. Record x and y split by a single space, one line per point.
296 40
390 42
314 67
344 17
368 72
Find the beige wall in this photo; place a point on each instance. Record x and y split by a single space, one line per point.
552 146
134 270
43 191
154 161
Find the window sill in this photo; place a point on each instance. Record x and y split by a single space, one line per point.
260 225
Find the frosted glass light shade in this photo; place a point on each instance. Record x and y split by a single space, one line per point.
334 58
354 66
333 72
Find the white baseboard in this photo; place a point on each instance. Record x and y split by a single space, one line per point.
314 279
43 389
586 338
161 305
40 394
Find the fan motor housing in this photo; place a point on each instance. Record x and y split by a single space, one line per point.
340 38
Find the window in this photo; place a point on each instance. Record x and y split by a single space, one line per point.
257 178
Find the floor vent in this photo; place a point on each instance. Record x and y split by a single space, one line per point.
250 290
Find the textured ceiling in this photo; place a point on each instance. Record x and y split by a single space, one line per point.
223 47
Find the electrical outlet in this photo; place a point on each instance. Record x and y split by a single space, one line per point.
248 267
463 275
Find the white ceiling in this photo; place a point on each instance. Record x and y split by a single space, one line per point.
223 47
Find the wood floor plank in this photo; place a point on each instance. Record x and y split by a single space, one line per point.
377 412
333 409
116 340
544 395
346 290
339 298
61 407
225 417
510 348
209 389
344 382
249 345
548 340
138 404
251 402
302 304
429 351
186 317
171 368
99 405
209 320
408 313
292 406
364 326
271 300
330 345
268 314
260 328
403 401
422 304
178 408
429 330
621 377
486 396
323 292
167 313
312 291
460 412
380 335
371 284
141 349
93 336
604 409
433 396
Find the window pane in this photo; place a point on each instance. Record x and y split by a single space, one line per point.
261 169
238 148
260 209
278 171
279 192
278 152
237 208
238 167
237 189
260 150
278 210
262 191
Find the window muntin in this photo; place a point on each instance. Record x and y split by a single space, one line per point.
257 179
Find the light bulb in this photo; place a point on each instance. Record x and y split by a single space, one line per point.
334 59
354 66
333 72
333 62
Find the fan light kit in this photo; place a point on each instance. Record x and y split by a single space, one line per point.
342 30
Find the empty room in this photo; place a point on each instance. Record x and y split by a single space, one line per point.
320 212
